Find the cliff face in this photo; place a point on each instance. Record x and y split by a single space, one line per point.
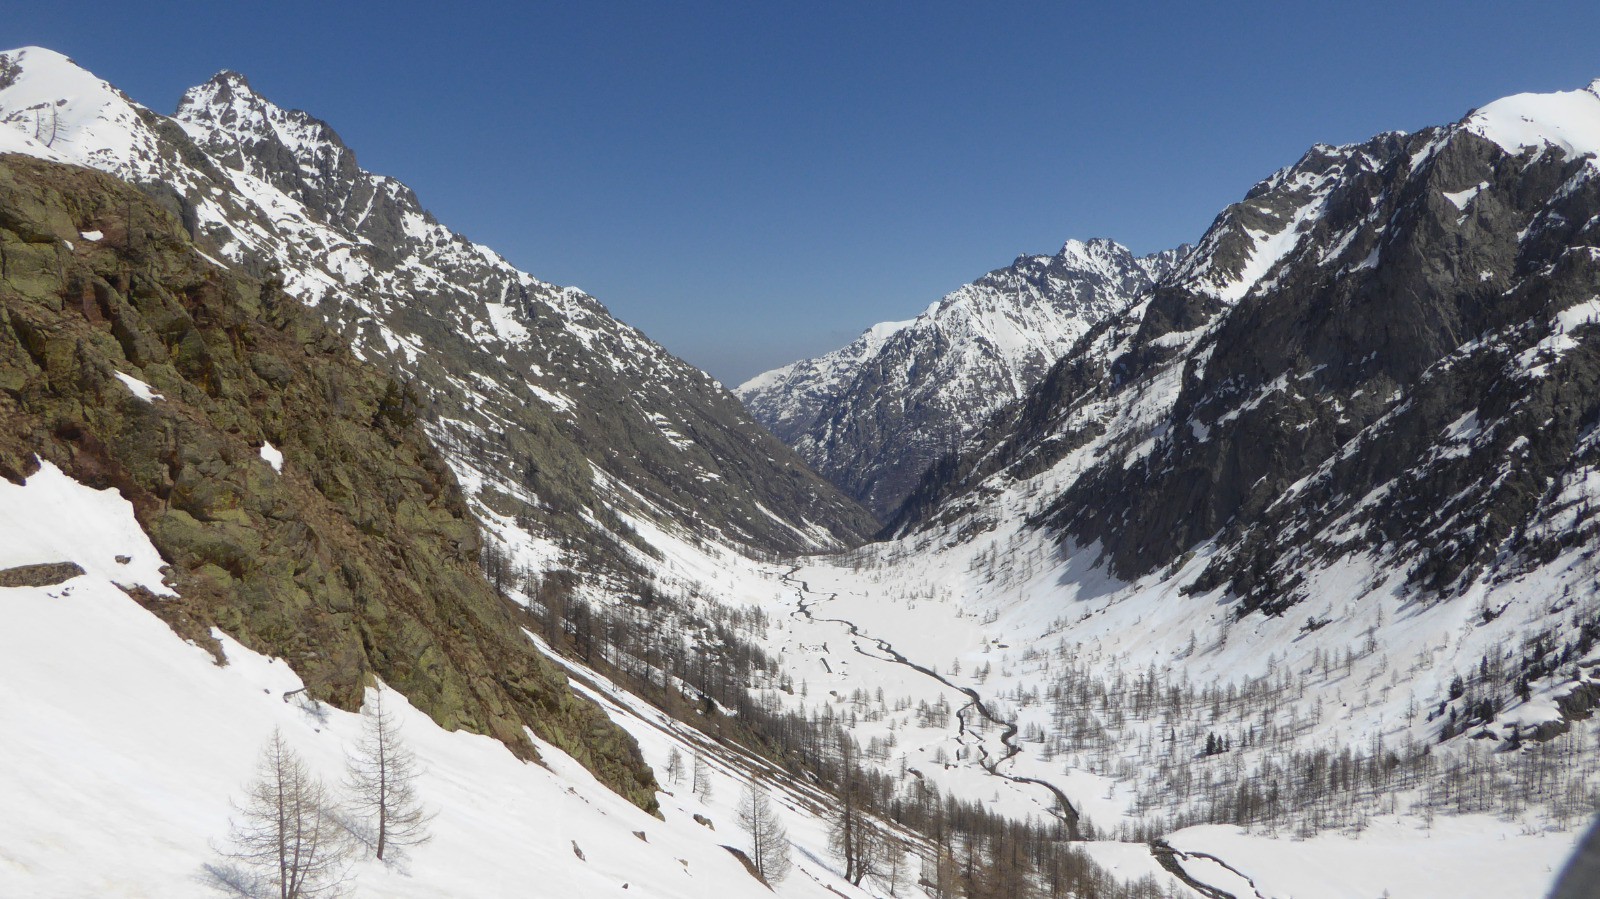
1386 351
874 415
288 485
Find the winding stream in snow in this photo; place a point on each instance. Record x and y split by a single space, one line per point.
1165 854
1008 729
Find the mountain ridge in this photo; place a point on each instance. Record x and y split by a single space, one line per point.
593 402
874 414
1323 306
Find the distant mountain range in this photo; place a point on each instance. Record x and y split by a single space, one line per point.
873 415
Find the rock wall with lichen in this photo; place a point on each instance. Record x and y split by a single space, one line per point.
357 559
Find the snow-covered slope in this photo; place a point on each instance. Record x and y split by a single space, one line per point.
127 751
1301 544
873 415
1306 539
541 399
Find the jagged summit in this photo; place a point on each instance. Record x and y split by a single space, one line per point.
229 78
599 424
874 414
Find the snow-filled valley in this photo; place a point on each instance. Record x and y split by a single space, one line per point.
1196 612
1113 688
127 747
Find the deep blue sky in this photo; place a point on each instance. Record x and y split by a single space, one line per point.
752 182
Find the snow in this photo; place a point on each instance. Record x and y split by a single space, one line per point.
870 341
1461 198
1579 314
139 388
505 322
555 400
52 518
1133 862
1267 249
91 235
1469 855
273 456
125 744
83 119
1568 121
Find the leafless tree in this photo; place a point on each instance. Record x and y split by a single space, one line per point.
769 841
701 784
675 766
43 132
854 836
381 783
286 840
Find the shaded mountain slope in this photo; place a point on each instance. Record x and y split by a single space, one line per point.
1387 348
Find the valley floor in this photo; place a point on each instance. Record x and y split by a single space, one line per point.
880 639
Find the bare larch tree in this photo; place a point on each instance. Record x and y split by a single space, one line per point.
769 840
381 781
286 840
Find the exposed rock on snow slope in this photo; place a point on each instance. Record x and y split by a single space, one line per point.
356 558
555 416
1394 370
873 415
126 748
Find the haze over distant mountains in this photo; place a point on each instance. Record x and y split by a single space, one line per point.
873 415
1204 573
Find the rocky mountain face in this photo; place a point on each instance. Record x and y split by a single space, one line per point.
1385 358
289 486
874 415
567 428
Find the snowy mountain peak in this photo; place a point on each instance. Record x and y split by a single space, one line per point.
298 153
42 64
53 108
874 414
1093 248
232 79
1567 120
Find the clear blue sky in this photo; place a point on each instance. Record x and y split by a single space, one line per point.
752 182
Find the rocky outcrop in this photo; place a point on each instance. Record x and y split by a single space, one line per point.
47 574
1389 350
356 558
